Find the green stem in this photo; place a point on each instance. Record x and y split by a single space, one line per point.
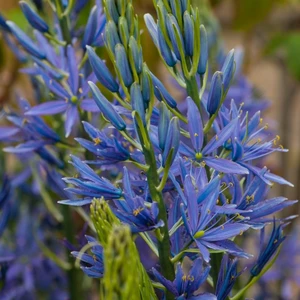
164 248
74 275
192 86
63 22
216 259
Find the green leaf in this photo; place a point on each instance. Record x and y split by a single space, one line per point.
289 44
16 15
248 13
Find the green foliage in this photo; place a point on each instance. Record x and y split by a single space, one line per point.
289 44
248 13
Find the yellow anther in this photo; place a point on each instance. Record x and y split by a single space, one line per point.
196 134
217 137
208 211
261 120
203 164
241 232
97 141
277 137
281 147
230 184
137 211
266 126
80 90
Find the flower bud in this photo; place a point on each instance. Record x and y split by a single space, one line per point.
161 92
130 17
121 265
184 5
112 35
106 108
103 219
101 71
33 18
215 93
137 55
146 89
137 101
228 69
121 6
163 125
25 41
123 65
152 28
124 32
111 10
204 51
90 28
3 24
174 34
188 26
176 10
165 50
172 141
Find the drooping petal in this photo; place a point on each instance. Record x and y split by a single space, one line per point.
225 166
72 118
48 108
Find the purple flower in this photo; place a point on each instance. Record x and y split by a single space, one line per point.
91 265
185 286
204 154
134 210
203 225
89 185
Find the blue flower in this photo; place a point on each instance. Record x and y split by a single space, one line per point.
68 99
33 17
135 211
185 286
266 252
109 150
91 265
202 154
227 277
203 225
89 185
25 41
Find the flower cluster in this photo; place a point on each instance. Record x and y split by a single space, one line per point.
181 177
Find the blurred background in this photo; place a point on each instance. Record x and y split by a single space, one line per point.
269 33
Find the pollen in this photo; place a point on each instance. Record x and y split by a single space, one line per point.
188 278
97 141
137 211
266 126
80 90
203 164
196 134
